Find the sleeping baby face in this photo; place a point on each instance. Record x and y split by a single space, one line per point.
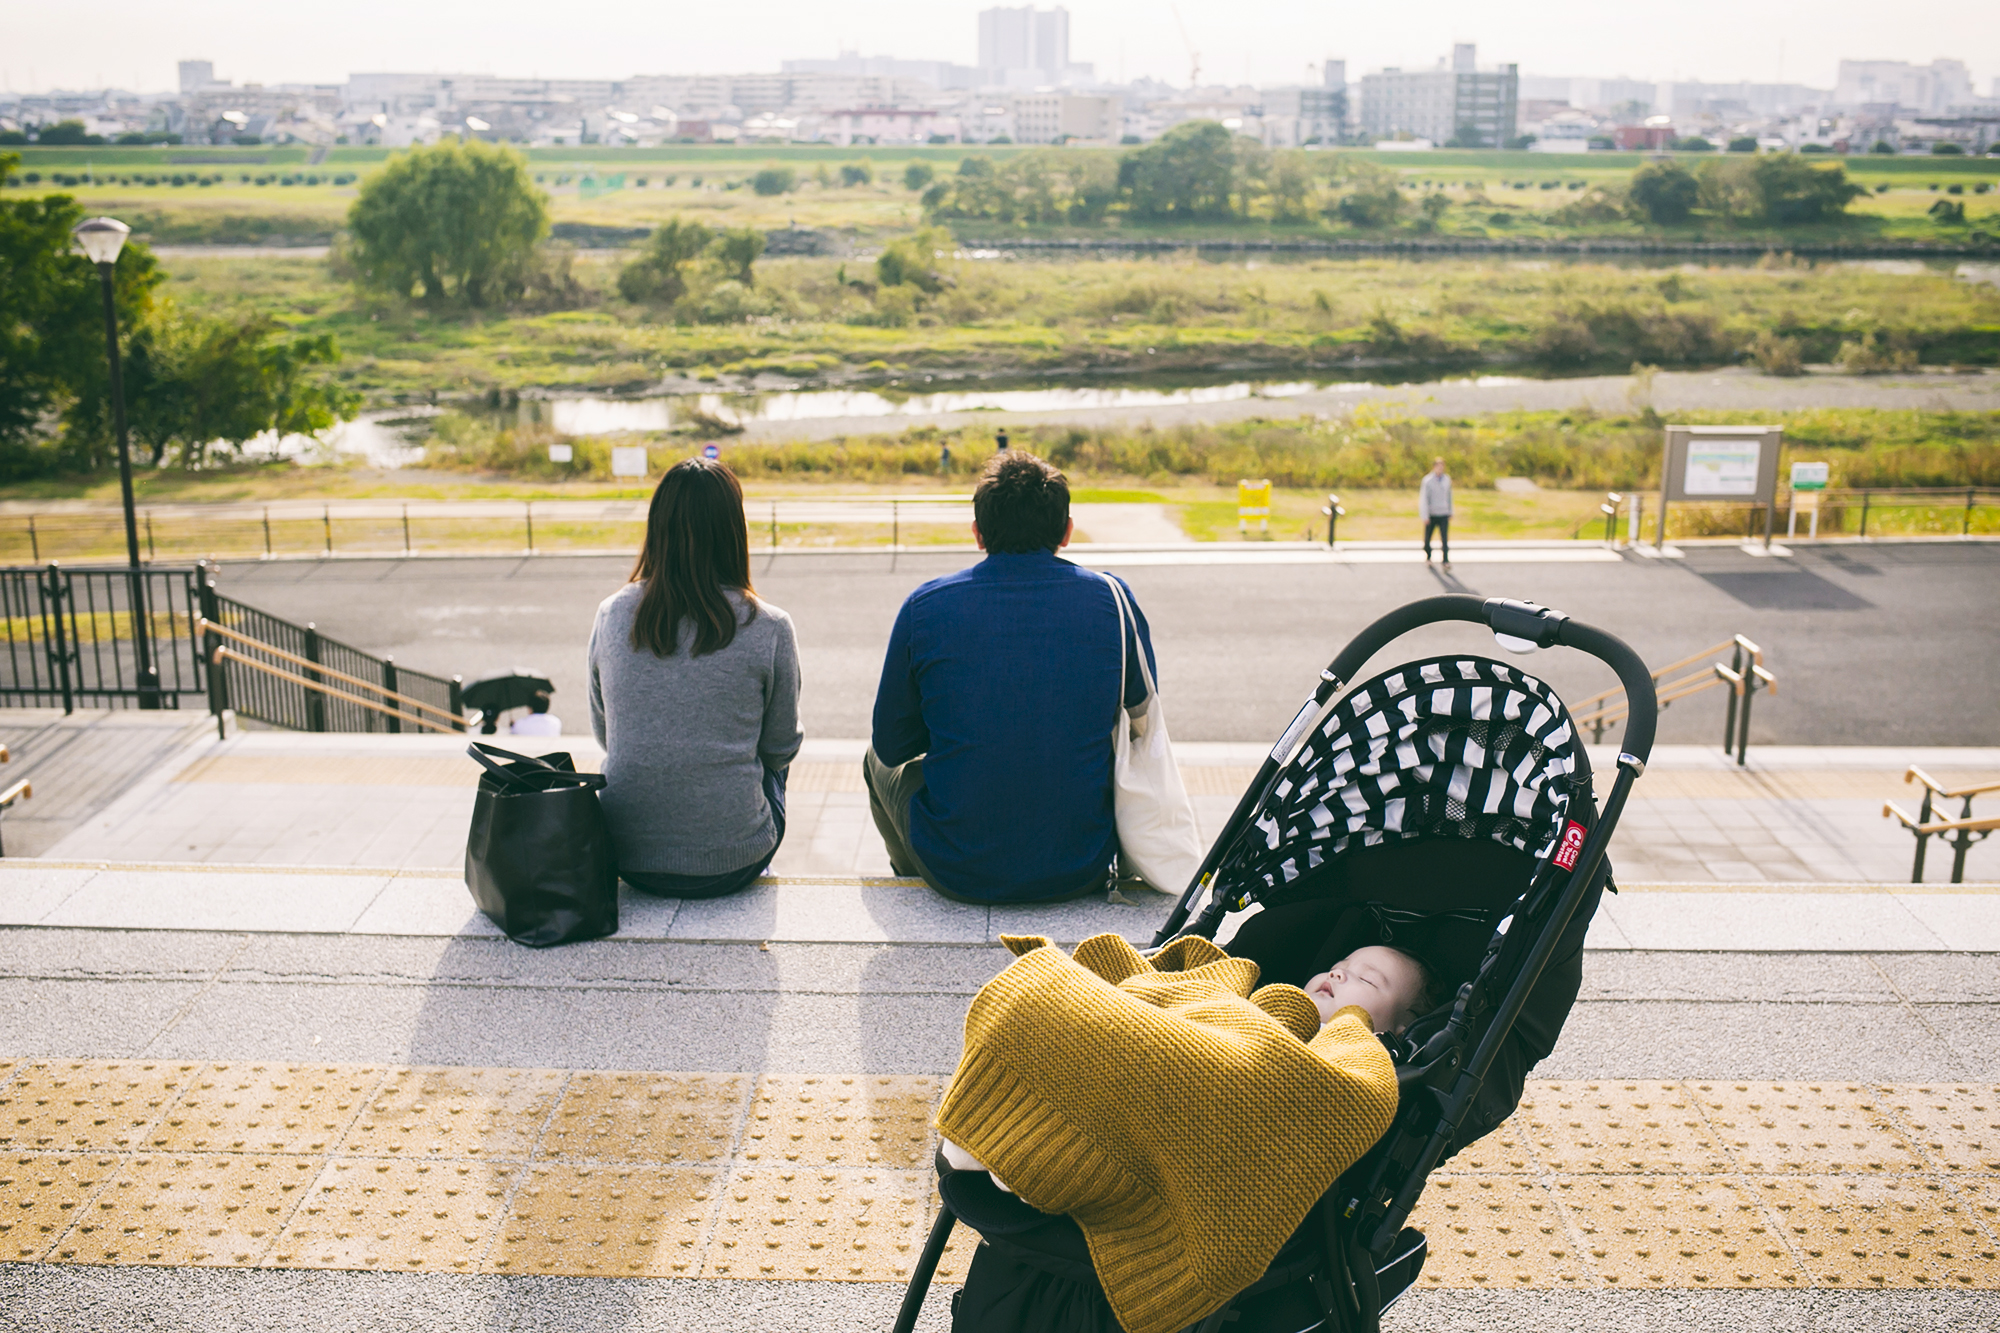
1384 981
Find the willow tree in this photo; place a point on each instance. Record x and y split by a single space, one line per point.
456 222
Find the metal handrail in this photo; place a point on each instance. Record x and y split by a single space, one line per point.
231 655
1918 775
206 625
1745 677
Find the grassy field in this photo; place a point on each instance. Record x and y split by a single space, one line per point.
1491 193
1372 461
1158 315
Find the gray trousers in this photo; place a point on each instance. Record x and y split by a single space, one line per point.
889 793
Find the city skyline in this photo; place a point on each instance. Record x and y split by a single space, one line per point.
136 47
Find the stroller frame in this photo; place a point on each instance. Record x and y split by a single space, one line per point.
1370 1256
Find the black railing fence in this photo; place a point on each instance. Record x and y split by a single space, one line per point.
68 641
71 637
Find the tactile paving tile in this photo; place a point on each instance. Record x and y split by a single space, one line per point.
1856 1231
42 1193
957 1256
1816 1128
190 1208
85 1104
1958 1124
1493 1232
408 1216
1704 1233
264 1108
455 1112
605 1221
848 1120
795 1223
1619 1125
646 1118
1505 1150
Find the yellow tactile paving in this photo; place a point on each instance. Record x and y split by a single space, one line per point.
87 1103
191 1208
606 1221
1811 1127
1702 1232
850 1120
410 1216
798 1223
1618 1126
1957 1124
643 1117
1872 1232
1495 1231
456 1112
1593 1184
41 1194
264 1108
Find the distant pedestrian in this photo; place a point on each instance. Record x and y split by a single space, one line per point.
539 720
944 457
1434 505
1001 439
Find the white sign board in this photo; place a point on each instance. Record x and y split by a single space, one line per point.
1810 476
628 461
562 453
1722 466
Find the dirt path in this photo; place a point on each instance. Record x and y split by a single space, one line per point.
1693 391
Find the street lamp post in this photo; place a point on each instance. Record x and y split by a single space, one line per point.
101 239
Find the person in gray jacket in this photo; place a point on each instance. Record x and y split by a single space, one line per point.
694 695
1434 505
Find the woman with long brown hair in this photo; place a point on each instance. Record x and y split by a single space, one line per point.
694 692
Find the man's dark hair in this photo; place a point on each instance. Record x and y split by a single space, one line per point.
1021 504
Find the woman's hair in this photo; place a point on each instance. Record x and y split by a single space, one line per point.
696 545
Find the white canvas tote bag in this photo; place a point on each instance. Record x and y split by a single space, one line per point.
1157 840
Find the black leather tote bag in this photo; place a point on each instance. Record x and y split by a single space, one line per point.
539 858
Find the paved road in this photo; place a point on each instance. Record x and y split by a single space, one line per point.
1889 644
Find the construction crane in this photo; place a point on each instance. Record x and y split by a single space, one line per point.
1194 56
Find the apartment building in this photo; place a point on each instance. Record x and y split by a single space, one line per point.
1062 117
1460 103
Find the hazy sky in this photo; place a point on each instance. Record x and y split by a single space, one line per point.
134 43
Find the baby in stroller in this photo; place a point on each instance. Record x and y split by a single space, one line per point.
1445 811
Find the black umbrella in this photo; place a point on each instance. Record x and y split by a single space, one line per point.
494 695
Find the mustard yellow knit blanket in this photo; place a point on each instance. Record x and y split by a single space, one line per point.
1187 1119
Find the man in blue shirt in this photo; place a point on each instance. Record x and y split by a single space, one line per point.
990 770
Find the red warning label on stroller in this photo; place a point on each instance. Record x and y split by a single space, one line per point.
1572 844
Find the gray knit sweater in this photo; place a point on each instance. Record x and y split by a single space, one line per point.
686 739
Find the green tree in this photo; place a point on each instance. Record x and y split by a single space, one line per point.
196 385
1789 190
738 250
919 260
1369 197
857 173
917 175
1188 172
1663 193
1743 143
1947 150
1292 186
658 275
457 221
66 134
1692 143
775 179
54 374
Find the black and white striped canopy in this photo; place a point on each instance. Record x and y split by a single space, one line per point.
1458 747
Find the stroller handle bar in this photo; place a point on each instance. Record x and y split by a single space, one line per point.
1527 626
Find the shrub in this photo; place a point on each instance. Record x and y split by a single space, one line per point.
1663 193
1743 143
730 302
775 180
1948 212
1946 150
917 175
1777 356
1869 357
1692 144
1883 148
916 261
857 173
657 276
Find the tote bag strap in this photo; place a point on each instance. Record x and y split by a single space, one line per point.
1124 614
541 774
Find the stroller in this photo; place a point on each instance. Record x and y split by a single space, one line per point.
1460 775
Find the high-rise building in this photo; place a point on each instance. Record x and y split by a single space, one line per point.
1467 106
197 75
1931 87
1464 58
1333 74
1025 45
